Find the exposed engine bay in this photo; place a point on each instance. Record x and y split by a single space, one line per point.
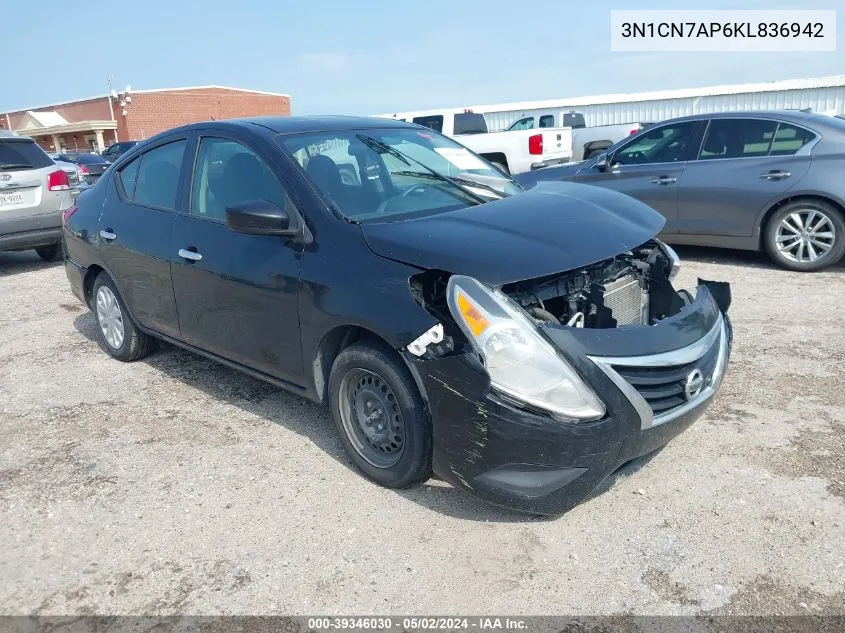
629 289
632 288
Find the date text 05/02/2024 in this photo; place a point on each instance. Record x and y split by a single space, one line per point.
416 624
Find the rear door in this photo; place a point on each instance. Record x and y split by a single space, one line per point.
237 294
135 232
650 167
744 165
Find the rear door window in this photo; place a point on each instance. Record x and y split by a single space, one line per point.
737 138
18 154
156 178
526 123
789 139
431 122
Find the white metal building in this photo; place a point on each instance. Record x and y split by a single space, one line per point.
822 94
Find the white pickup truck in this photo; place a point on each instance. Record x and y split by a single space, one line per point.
586 141
512 152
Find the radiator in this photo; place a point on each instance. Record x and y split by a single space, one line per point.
627 302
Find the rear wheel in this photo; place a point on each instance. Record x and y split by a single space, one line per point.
122 338
502 168
51 253
380 415
806 235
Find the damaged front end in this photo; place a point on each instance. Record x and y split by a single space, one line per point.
539 389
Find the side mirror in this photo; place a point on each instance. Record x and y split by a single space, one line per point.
259 217
602 162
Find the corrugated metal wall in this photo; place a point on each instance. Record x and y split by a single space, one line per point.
819 99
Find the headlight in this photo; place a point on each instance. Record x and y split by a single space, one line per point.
674 260
520 362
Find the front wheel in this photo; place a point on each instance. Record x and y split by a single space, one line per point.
380 415
806 235
51 253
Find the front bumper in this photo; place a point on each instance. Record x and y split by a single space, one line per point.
530 462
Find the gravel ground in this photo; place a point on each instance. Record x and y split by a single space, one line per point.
174 485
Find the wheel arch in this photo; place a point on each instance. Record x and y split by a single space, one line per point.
496 157
339 338
767 214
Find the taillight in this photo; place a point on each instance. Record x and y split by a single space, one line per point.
634 131
84 169
535 144
67 213
57 181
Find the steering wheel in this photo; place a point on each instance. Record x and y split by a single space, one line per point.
414 191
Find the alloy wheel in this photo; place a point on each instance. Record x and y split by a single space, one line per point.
110 317
805 235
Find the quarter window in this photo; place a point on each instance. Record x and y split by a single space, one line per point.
737 138
228 173
665 144
158 176
128 175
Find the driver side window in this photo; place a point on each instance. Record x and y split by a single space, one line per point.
666 144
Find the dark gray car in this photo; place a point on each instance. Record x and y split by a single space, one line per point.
747 180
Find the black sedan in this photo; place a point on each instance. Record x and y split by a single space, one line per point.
520 345
92 165
749 180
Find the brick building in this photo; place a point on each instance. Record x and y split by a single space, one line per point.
97 122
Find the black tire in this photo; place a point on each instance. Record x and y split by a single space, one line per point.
803 208
134 344
356 364
501 167
51 253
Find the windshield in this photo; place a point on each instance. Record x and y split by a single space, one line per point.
388 174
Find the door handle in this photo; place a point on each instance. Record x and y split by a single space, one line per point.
189 254
775 174
107 235
664 180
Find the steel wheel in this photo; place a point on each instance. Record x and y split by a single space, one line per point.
372 418
110 317
805 235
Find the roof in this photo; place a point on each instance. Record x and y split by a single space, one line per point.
47 119
292 124
833 81
807 119
152 90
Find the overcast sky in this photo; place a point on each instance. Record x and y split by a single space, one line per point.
369 57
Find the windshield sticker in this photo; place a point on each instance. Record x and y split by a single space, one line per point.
460 158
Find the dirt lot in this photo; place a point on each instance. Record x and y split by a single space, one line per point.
174 485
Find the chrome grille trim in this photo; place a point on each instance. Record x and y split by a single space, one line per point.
682 356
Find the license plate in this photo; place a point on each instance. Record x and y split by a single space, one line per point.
11 198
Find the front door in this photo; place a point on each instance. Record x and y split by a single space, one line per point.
744 165
134 237
650 168
237 294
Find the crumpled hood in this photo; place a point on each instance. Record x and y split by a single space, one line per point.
552 228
